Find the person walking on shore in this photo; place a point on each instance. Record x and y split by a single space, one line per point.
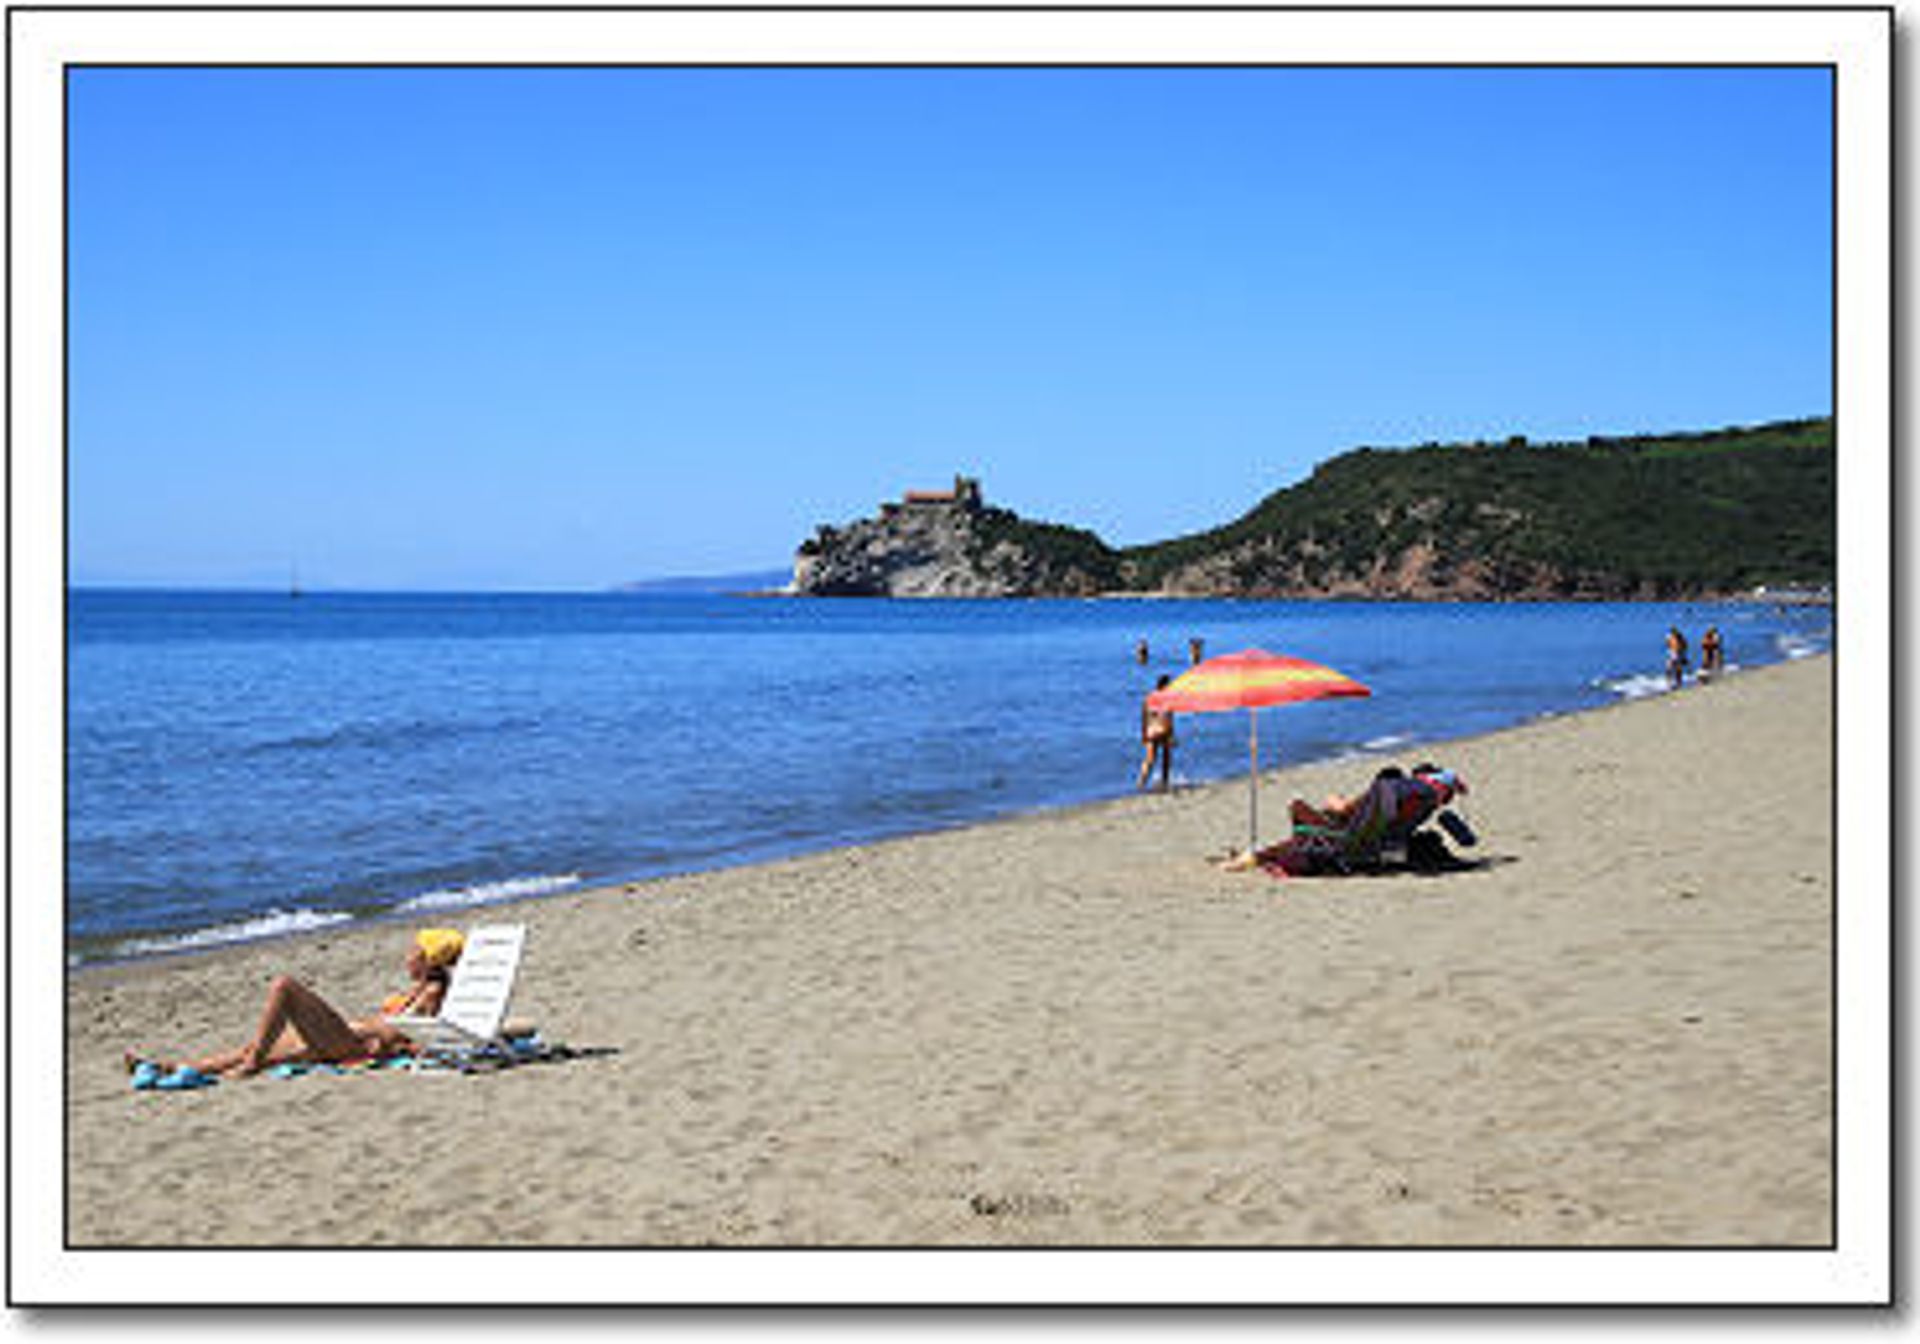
1676 657
1712 655
1156 734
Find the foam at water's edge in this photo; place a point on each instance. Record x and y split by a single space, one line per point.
1390 742
273 924
280 923
1636 686
484 893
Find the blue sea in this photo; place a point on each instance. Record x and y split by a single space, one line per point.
243 765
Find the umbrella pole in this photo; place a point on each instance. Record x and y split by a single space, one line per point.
1253 781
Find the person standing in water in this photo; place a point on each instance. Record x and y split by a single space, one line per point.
1676 657
1196 649
1156 735
1140 653
1712 655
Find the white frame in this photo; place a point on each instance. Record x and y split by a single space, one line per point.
1857 43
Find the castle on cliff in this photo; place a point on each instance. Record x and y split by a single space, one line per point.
965 494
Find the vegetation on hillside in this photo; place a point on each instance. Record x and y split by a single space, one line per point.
1654 515
1059 549
1667 515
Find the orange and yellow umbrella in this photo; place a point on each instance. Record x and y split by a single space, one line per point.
1249 680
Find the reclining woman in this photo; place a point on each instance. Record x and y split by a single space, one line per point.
1344 833
297 1026
1339 811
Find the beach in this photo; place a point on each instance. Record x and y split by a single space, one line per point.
1070 1028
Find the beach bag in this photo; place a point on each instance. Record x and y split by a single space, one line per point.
1427 852
1456 826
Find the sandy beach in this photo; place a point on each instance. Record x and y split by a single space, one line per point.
1070 1029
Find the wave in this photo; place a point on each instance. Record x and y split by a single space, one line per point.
1388 742
280 923
1636 686
273 924
486 893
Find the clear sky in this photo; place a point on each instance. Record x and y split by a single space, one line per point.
559 329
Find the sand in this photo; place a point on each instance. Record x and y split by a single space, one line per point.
1070 1029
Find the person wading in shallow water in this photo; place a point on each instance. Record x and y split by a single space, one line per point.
1712 655
1156 734
1676 657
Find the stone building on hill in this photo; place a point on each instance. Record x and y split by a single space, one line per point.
964 495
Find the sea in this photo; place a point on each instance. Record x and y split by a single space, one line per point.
246 765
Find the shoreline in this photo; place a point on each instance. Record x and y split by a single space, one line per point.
1787 598
456 912
1065 1027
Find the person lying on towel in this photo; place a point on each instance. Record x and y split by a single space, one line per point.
297 1026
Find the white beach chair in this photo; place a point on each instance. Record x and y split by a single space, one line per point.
467 1028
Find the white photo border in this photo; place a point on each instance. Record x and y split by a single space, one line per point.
1856 43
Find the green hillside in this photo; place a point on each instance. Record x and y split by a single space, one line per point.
1065 553
1661 515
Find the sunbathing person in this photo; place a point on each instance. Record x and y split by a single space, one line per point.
298 1026
1418 799
1339 809
1346 833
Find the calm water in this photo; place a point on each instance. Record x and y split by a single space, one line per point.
248 764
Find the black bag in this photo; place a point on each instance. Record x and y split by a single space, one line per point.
1427 852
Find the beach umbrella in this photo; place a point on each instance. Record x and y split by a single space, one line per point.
1249 680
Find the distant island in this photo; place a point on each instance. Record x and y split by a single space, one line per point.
1685 515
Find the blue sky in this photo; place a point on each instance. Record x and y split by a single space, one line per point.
559 329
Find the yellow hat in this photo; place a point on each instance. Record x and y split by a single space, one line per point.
441 947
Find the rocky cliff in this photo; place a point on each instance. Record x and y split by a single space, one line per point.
951 544
1425 569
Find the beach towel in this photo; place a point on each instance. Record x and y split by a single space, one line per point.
521 1047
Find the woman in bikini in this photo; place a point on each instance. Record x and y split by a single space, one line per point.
298 1026
1156 733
